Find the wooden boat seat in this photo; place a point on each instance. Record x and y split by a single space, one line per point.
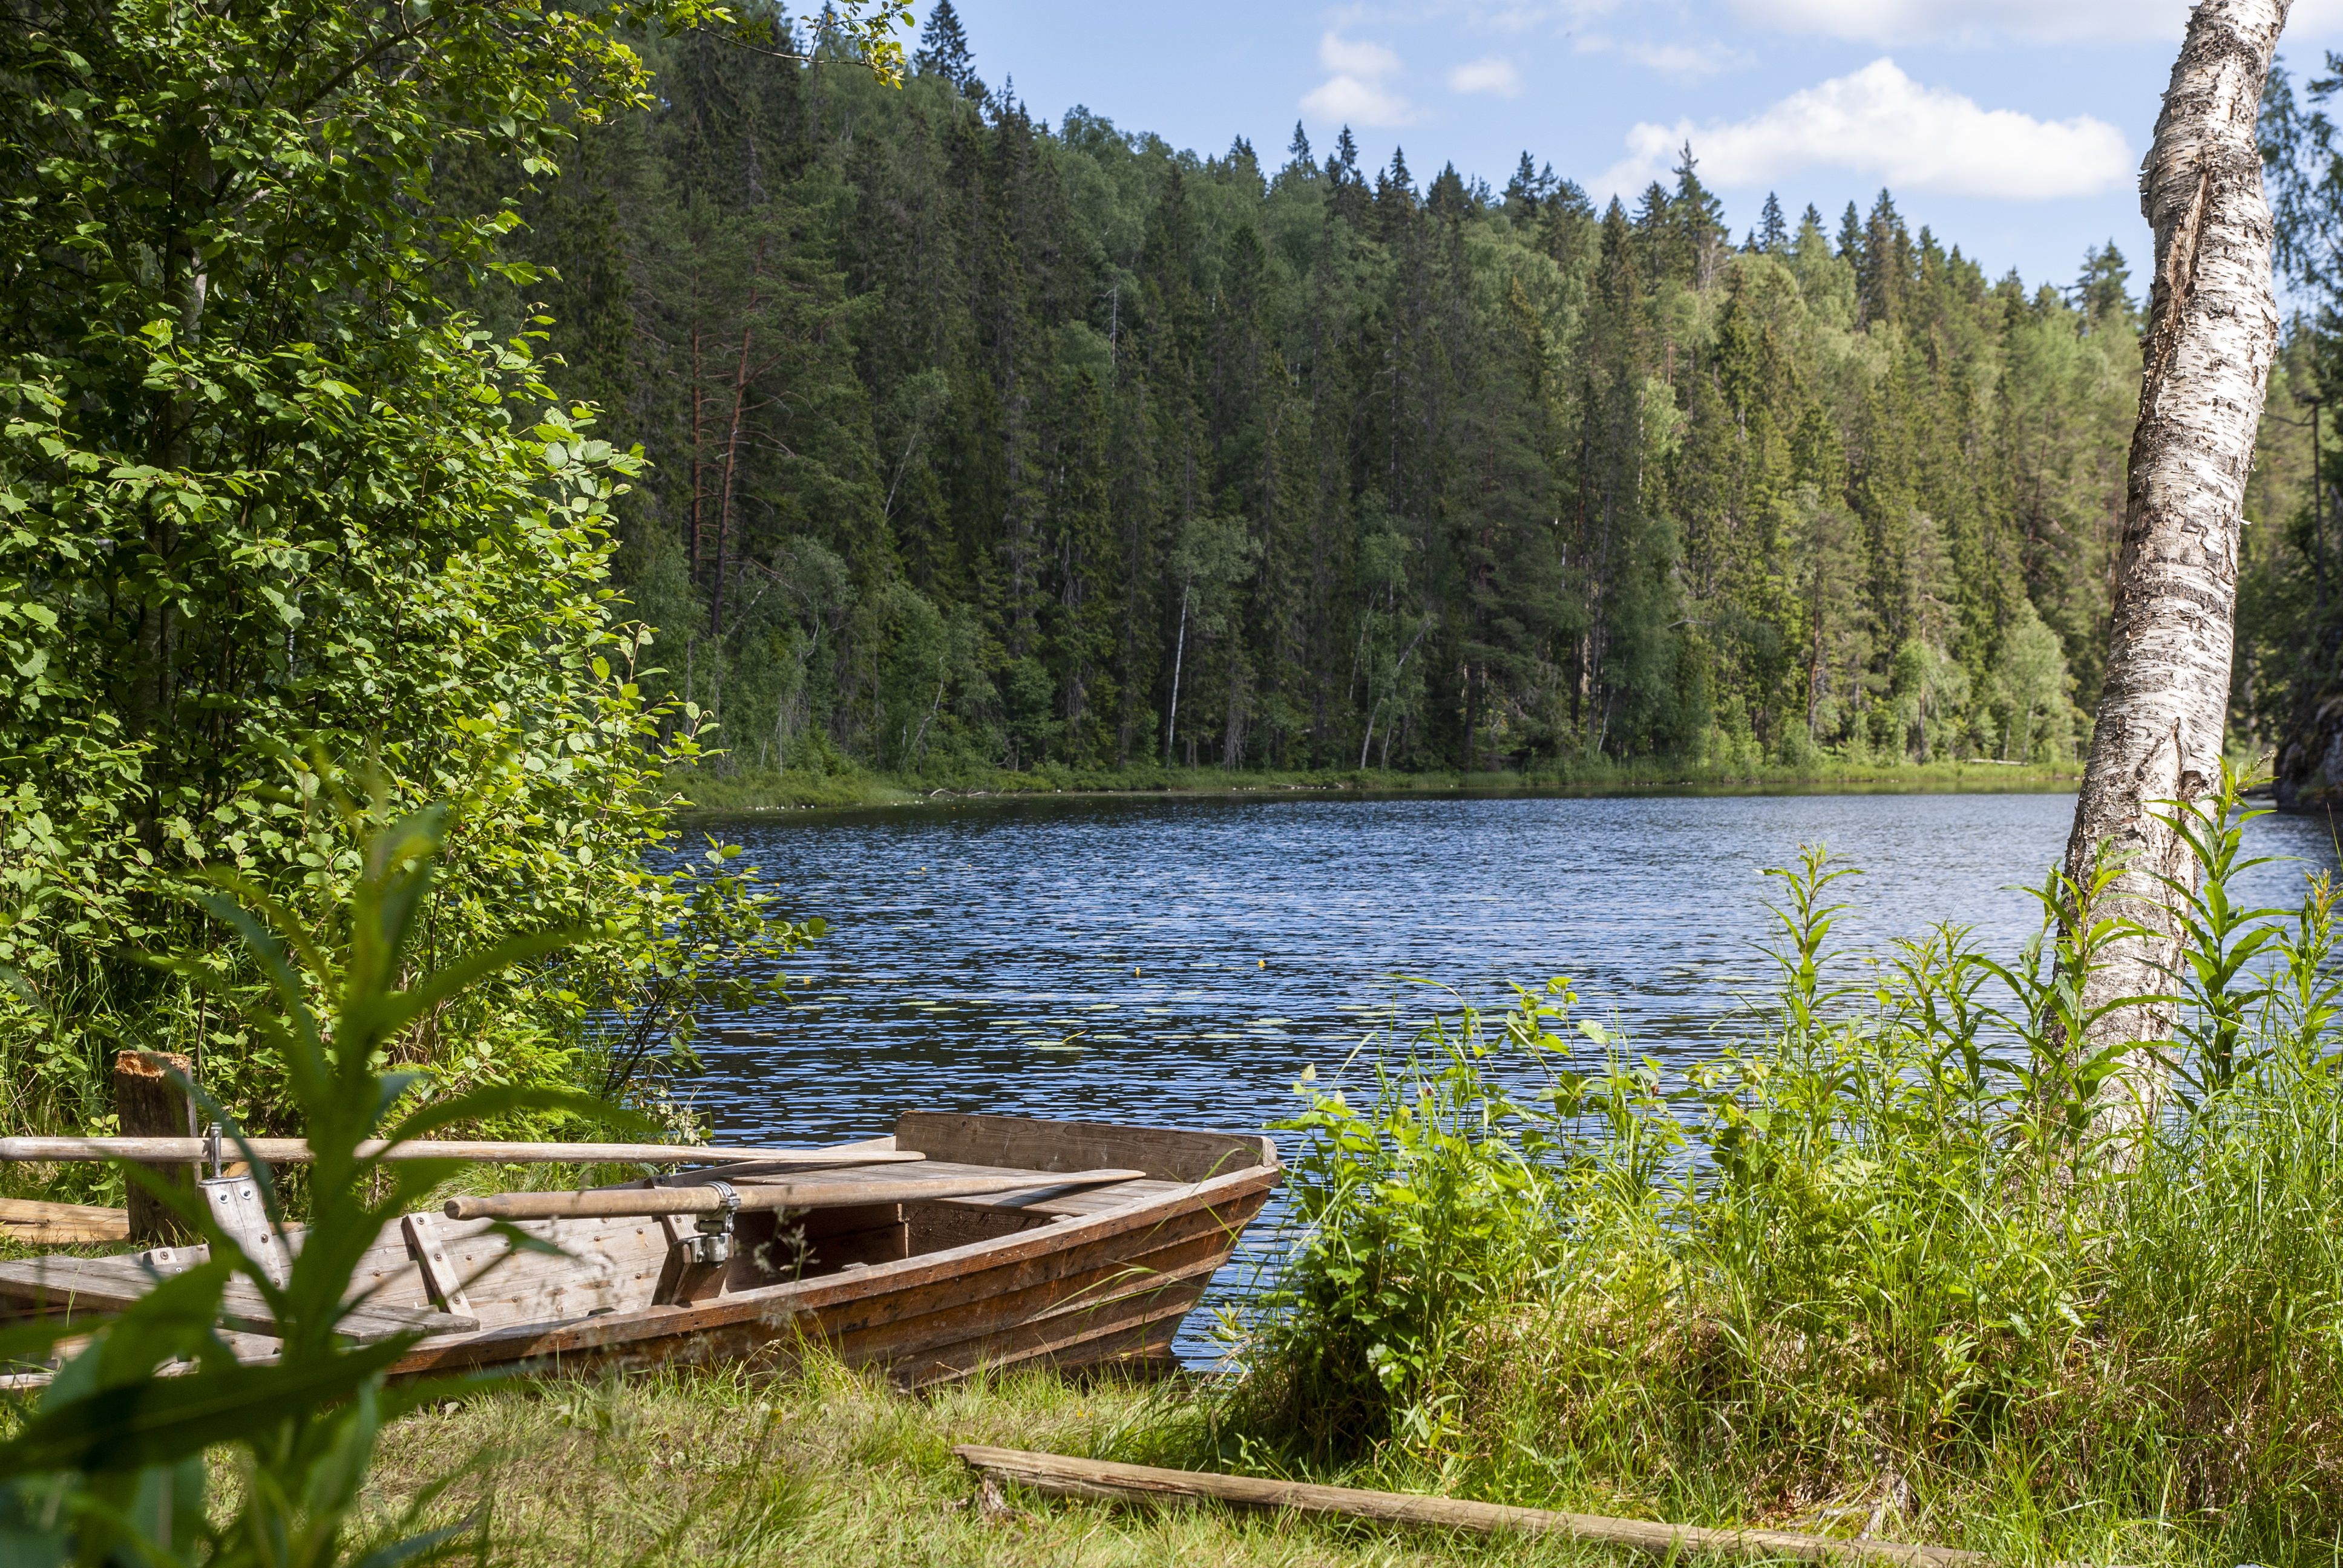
1043 1197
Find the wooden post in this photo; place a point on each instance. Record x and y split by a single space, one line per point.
151 1106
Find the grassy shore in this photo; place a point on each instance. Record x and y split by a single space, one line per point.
714 1468
751 790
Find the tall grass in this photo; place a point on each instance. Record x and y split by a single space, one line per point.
1876 1268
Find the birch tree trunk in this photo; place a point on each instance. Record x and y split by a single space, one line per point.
2212 334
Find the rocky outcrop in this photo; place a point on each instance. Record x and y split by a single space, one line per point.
2310 762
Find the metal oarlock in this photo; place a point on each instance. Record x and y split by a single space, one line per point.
713 1241
236 1206
212 1148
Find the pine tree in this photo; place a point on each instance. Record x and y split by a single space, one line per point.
1297 151
1772 231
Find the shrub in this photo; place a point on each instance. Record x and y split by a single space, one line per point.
111 1464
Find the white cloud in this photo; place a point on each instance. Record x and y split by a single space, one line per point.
1512 16
1917 21
1684 63
1355 94
1898 21
1525 15
1356 103
1492 74
1979 21
1881 121
1346 58
1883 22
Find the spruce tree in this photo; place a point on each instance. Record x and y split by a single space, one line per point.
1448 197
1700 220
1772 231
1884 274
1521 191
943 51
2102 287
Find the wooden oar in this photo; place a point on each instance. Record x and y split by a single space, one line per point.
1062 1476
296 1152
617 1202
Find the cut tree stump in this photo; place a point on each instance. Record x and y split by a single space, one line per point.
151 1106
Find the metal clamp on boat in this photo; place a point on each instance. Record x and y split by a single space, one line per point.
712 1244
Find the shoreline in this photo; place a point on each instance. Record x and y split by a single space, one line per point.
750 793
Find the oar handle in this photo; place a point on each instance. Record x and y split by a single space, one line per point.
625 1202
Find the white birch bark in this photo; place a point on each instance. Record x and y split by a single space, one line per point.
2212 334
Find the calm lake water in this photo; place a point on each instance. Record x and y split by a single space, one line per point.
1179 961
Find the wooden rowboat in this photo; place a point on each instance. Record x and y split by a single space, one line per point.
1038 1271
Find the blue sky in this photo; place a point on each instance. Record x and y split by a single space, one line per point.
2014 127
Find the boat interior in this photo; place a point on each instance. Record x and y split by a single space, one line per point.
461 1277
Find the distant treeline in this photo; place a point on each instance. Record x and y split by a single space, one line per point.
982 442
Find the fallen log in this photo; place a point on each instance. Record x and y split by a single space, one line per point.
1103 1480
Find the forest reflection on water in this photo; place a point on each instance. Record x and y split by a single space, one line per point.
1178 961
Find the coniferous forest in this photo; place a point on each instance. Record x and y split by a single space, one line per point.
979 440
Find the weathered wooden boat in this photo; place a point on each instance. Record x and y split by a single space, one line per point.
1011 1242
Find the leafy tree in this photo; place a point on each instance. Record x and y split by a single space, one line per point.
276 513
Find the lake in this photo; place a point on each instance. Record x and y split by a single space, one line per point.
1178 961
